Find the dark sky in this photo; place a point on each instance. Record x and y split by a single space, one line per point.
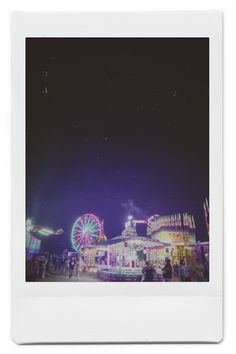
116 126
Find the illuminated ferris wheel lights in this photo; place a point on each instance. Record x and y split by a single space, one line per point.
86 230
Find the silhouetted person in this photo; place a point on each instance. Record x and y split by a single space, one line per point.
149 272
72 262
183 271
167 270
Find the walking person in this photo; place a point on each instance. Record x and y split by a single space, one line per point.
199 270
77 267
67 266
159 273
72 262
62 264
176 271
167 270
196 270
56 263
42 266
183 271
48 264
148 272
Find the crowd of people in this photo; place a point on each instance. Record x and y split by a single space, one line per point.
195 271
44 265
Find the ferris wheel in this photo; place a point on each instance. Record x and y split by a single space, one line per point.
86 230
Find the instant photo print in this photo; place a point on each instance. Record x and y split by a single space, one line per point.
117 142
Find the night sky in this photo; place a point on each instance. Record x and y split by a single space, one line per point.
116 126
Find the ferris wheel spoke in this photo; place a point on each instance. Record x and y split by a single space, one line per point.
90 223
81 239
77 230
94 234
93 228
81 224
77 240
77 234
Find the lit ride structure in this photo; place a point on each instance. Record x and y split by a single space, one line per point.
87 230
123 257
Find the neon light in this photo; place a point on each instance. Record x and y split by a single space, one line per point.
86 230
29 225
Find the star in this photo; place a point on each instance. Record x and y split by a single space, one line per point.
45 91
44 73
174 92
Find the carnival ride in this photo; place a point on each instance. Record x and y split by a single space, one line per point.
87 229
42 230
35 234
177 228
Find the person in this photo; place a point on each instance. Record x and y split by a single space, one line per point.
56 262
48 264
62 264
206 270
81 265
148 272
183 271
31 269
42 266
77 267
71 265
176 271
196 269
159 273
199 270
167 270
67 266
